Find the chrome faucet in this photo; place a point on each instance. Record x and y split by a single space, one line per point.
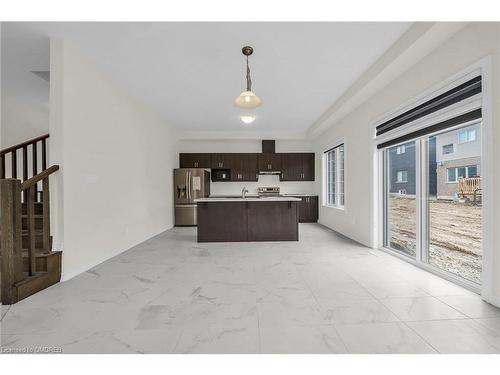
244 192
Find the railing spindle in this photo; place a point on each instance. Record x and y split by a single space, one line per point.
35 165
44 154
25 170
46 215
31 229
14 163
2 166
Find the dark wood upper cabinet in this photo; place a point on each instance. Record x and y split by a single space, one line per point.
244 167
308 166
297 167
194 160
269 162
222 161
291 167
250 167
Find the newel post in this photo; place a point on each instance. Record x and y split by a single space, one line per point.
11 245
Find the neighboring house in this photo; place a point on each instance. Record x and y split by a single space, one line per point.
402 168
458 155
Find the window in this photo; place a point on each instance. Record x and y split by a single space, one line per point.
448 149
456 173
402 176
401 149
334 172
466 135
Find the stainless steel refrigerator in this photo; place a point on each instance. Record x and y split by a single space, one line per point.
189 184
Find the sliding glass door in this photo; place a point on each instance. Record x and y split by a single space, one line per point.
454 202
433 200
399 198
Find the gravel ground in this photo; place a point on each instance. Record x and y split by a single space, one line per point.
455 234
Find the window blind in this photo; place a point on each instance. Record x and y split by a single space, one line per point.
466 117
455 95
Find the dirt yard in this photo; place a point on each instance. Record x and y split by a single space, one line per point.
455 234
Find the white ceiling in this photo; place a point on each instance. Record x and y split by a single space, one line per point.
190 73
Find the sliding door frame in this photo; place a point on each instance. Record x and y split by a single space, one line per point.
483 101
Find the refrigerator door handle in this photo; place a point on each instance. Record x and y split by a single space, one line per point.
189 185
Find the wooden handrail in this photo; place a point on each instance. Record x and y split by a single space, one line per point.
39 177
24 144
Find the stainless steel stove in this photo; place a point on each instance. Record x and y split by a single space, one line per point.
269 191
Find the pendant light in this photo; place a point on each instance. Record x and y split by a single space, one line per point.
247 119
247 99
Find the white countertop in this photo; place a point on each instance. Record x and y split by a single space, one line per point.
249 199
300 195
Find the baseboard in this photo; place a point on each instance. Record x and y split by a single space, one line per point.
492 300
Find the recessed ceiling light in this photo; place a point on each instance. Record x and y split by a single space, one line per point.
247 119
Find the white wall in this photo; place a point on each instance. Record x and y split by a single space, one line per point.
25 96
115 186
466 47
229 188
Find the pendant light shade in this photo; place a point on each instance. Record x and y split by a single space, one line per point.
248 99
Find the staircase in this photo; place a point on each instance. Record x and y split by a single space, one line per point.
27 262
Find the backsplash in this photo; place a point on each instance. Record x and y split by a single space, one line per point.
234 188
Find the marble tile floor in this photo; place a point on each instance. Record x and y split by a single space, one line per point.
323 294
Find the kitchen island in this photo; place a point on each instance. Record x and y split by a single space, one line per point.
234 219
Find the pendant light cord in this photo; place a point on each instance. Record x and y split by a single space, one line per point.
249 80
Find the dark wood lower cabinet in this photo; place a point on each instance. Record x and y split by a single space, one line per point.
222 222
273 221
248 221
308 209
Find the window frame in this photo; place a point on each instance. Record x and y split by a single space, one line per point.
467 132
456 172
447 145
401 149
338 176
398 181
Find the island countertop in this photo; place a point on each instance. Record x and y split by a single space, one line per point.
248 199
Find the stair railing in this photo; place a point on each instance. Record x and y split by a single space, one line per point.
13 192
19 155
